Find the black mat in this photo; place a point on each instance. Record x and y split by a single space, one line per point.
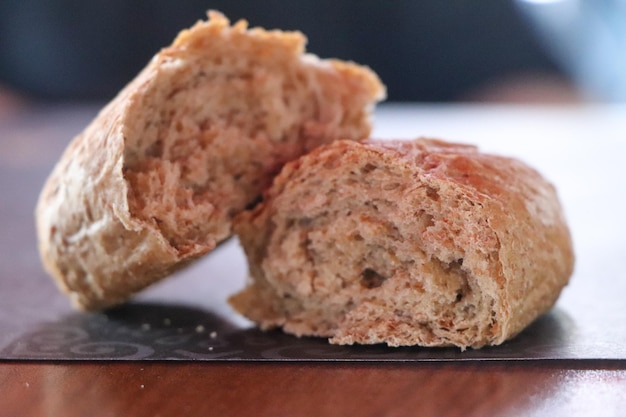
187 317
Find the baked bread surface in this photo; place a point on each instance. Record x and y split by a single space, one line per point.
405 243
155 180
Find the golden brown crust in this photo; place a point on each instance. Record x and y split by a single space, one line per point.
154 181
404 242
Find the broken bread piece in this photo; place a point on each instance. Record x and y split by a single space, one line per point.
156 179
405 243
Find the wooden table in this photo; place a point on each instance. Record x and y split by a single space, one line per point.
283 389
165 388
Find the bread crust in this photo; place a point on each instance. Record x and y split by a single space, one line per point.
106 229
406 243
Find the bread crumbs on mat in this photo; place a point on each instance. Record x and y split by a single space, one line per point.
213 335
145 326
199 328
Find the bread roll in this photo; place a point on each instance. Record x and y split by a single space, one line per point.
155 180
405 243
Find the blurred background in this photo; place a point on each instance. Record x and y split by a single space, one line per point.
424 50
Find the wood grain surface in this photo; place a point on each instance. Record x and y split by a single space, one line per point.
284 389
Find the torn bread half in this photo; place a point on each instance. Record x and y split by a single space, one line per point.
156 179
405 243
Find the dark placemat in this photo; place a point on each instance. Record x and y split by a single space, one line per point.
187 318
143 331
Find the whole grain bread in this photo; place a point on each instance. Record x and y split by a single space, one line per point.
156 179
405 243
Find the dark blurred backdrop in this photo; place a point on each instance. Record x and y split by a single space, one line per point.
424 50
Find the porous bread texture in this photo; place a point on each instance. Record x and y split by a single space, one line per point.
155 180
405 243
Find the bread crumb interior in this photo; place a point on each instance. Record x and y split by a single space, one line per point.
214 134
362 254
